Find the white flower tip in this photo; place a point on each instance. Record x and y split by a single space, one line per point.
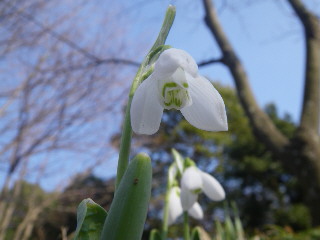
143 129
207 111
196 211
224 125
221 195
223 117
212 188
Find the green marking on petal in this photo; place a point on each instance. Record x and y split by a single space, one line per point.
176 98
167 104
168 85
177 192
197 191
175 95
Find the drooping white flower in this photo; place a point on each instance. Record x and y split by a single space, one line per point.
175 207
175 83
193 182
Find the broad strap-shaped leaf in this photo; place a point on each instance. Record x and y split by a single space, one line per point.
90 220
129 207
198 233
154 235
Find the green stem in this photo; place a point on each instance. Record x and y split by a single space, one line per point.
166 26
126 136
164 230
186 228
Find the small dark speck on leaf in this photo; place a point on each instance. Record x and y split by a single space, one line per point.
135 181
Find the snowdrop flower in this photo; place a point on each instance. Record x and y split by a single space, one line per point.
193 182
176 84
175 207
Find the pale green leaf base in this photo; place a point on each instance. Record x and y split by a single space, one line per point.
90 220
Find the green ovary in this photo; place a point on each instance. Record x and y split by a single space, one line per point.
196 191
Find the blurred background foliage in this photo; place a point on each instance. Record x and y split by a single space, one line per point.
266 197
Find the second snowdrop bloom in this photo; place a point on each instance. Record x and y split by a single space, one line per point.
193 182
176 84
175 207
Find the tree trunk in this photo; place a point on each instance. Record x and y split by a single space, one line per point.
303 161
299 156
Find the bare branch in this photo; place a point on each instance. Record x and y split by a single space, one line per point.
210 61
116 61
56 35
120 61
263 127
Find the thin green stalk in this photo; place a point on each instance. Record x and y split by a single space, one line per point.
125 144
186 228
166 26
164 230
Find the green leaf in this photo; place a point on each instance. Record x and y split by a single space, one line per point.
172 174
129 207
237 222
220 233
179 160
90 219
154 235
229 228
198 233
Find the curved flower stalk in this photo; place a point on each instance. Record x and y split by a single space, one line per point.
176 84
193 182
175 207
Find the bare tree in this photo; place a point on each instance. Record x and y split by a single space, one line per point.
301 154
58 84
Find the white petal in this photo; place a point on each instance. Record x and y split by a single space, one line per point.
187 198
175 208
171 59
207 111
146 111
191 179
212 188
196 211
